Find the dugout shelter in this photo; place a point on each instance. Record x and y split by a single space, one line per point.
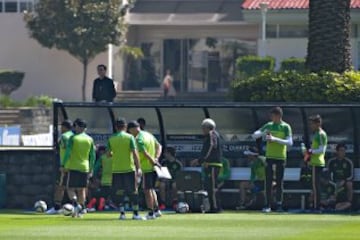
178 125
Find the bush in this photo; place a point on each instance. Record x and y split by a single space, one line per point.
292 86
252 65
34 101
289 64
6 102
10 80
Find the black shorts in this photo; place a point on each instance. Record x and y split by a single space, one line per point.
61 179
76 179
103 192
149 180
124 181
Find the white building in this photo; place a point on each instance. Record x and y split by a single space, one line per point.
198 40
49 72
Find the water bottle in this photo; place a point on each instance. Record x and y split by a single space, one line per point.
202 208
127 201
303 148
303 202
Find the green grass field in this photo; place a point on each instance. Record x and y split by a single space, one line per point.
227 225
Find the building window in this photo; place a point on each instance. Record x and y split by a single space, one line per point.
151 64
10 6
203 64
26 6
13 6
271 31
287 31
293 31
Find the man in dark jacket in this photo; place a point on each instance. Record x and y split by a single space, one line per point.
103 88
210 159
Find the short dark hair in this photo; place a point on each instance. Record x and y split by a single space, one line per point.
120 122
340 145
141 121
101 148
80 123
315 118
133 124
102 65
171 150
276 111
67 123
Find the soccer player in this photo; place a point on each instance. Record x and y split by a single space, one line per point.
149 152
210 158
66 130
341 171
78 163
174 167
257 176
103 171
125 169
317 156
278 136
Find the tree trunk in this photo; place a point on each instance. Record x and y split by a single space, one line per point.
83 87
329 36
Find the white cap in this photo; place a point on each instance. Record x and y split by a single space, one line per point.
208 123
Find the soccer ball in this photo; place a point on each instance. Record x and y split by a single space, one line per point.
182 207
40 206
68 209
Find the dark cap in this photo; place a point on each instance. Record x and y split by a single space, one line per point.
120 122
67 123
80 123
133 124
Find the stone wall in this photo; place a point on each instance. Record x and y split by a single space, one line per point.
30 176
35 120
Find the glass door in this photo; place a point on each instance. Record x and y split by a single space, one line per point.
187 59
197 65
173 61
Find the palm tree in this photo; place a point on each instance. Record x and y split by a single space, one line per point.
329 36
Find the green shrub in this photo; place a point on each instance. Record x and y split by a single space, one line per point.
252 65
36 101
10 80
6 102
289 64
292 86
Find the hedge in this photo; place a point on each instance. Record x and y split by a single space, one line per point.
292 86
252 65
33 101
297 64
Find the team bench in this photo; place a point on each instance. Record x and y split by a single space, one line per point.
290 175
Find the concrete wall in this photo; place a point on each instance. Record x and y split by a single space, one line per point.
30 176
50 72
